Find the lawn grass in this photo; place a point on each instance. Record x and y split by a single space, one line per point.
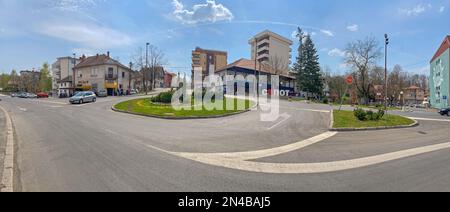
147 107
346 119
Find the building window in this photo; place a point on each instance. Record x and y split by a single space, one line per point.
110 73
94 72
123 74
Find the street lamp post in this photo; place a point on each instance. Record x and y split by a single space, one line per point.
386 37
402 99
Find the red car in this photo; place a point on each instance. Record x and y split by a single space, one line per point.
42 95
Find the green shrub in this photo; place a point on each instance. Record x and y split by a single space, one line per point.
363 115
370 115
360 114
325 101
380 114
165 98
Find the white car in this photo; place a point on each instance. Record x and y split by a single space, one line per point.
134 92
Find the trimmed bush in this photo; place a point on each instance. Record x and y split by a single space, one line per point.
165 98
360 114
370 115
363 115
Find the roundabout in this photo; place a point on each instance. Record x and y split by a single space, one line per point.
146 107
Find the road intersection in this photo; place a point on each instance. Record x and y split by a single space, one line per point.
62 147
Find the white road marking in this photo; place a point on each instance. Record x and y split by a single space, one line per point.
52 102
251 155
7 183
284 117
427 119
313 168
240 161
22 109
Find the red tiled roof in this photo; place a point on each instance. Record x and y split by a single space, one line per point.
98 60
444 46
250 64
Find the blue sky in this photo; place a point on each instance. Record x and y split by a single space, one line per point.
37 31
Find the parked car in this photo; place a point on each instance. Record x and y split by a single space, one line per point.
42 95
102 93
133 92
22 95
83 97
444 112
63 95
14 95
31 96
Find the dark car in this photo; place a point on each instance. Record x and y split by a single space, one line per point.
445 112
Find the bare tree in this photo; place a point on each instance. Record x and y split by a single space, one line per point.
377 76
362 56
397 81
140 64
156 58
277 65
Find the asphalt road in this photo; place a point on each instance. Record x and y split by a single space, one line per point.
88 147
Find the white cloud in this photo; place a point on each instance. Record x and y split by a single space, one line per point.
91 36
327 33
353 28
416 10
336 53
441 9
208 12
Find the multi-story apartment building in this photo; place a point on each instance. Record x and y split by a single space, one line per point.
414 95
271 48
208 61
101 72
62 72
440 77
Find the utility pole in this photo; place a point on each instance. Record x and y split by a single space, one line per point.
300 36
386 37
146 69
257 79
129 78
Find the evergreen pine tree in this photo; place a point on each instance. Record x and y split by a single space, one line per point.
307 67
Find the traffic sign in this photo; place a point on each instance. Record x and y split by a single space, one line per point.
349 80
444 97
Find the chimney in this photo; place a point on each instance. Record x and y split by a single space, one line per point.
97 55
107 53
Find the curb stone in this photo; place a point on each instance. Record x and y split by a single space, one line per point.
415 124
184 118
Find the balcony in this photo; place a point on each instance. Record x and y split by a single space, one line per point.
111 77
263 56
263 48
265 41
